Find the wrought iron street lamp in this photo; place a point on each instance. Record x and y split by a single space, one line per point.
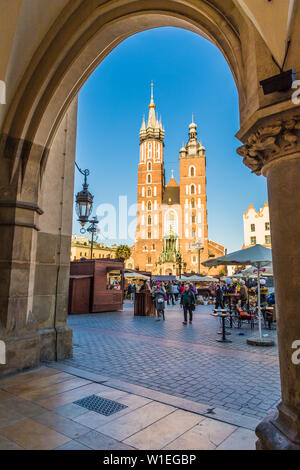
84 200
84 207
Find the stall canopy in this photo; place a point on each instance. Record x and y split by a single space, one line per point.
252 271
197 279
163 278
257 255
136 276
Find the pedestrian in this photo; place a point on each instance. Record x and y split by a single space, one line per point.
219 297
170 293
132 291
159 299
188 302
175 291
243 293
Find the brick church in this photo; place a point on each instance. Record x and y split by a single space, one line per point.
172 218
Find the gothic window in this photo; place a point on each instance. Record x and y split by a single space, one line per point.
193 190
192 171
150 150
193 219
193 234
149 179
149 235
149 166
149 206
149 192
193 203
153 247
149 259
149 220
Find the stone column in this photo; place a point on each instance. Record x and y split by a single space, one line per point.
19 218
273 149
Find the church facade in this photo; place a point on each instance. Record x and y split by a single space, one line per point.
172 232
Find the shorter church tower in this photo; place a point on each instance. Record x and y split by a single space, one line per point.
192 166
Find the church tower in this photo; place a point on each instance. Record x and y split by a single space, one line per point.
192 165
151 184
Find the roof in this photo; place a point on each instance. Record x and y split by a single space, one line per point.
172 193
172 183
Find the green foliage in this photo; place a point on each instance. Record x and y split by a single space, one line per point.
123 252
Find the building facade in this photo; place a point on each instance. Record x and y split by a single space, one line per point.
171 219
81 248
257 228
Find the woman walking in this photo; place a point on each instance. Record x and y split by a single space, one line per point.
159 294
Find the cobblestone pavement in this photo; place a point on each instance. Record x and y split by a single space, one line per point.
185 361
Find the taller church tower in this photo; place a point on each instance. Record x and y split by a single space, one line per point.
151 184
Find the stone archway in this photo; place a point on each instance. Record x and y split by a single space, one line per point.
80 37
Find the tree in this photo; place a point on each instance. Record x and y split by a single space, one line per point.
123 252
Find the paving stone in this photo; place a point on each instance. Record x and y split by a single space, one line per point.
135 421
61 424
175 360
241 439
32 435
97 441
166 430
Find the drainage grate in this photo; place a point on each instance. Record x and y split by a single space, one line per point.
100 405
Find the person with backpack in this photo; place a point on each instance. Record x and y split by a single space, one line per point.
188 301
159 294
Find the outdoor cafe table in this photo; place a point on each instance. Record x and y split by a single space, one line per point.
222 313
230 296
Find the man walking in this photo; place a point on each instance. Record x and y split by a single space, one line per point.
219 297
188 302
170 294
132 291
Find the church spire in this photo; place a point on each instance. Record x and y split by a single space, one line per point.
152 118
153 128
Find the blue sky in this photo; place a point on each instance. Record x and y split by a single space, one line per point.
190 75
